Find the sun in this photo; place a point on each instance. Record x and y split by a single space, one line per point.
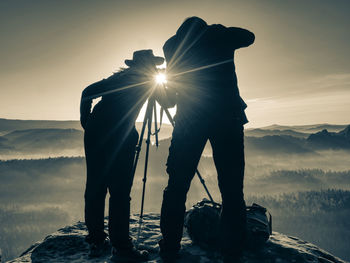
160 78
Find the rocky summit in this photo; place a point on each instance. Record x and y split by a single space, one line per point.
68 245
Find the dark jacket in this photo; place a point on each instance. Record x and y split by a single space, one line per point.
201 69
123 95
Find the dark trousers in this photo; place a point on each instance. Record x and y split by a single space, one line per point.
109 160
188 142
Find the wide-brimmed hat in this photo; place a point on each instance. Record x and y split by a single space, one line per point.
143 57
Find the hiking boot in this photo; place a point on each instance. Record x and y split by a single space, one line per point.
168 255
232 259
98 249
129 255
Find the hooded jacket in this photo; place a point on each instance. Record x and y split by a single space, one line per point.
201 69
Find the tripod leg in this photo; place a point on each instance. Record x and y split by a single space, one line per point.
138 147
169 116
197 172
155 123
149 127
204 185
147 120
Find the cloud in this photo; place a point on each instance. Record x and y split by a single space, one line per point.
334 81
329 105
321 85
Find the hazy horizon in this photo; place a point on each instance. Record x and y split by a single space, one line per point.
248 125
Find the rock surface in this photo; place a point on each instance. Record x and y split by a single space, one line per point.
68 245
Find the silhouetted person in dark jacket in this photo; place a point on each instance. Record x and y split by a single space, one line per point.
201 69
110 139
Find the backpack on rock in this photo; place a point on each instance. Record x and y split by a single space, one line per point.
202 225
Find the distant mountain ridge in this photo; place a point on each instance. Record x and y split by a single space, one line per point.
260 132
42 142
41 139
8 125
334 140
299 143
308 128
277 144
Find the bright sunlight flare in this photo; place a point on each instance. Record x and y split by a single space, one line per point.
160 78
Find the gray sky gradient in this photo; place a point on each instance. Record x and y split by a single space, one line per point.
297 71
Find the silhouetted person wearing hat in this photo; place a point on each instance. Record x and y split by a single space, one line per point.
201 69
110 139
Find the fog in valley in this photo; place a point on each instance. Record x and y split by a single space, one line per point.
300 173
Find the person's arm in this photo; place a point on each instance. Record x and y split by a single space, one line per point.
232 37
239 37
89 93
85 106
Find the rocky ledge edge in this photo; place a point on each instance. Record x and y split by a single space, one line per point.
68 245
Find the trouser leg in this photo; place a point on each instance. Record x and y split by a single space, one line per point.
95 192
184 154
228 154
120 183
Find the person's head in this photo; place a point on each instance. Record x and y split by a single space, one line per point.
144 58
192 26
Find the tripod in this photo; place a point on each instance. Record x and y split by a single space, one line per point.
150 111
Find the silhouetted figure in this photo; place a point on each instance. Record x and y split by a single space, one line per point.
110 139
201 69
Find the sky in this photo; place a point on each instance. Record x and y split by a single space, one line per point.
296 72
